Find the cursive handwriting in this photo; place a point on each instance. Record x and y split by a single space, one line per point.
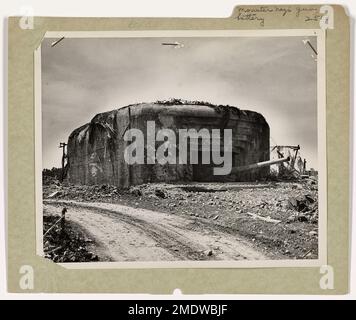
251 17
260 13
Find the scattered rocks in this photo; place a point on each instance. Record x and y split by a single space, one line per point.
136 192
54 194
293 204
161 194
208 253
305 204
302 218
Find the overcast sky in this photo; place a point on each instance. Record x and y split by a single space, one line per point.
275 76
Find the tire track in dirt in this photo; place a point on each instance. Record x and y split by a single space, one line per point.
134 234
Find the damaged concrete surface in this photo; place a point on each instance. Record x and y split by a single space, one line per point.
278 220
96 150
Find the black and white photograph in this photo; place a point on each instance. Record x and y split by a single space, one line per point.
177 149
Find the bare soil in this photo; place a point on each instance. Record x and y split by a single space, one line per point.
196 221
132 234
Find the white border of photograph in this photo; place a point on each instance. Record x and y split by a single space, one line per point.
322 165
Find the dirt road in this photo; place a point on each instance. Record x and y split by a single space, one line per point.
133 234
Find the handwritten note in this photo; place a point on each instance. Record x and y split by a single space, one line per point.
259 14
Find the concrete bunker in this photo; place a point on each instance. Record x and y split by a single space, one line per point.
95 151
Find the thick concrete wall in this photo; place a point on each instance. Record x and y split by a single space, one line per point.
96 150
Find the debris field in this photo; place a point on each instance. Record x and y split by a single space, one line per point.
277 217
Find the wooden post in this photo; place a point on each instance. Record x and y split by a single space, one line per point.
63 146
63 222
292 163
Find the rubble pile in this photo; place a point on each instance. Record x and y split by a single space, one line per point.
279 217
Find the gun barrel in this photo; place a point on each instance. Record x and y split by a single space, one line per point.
261 164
